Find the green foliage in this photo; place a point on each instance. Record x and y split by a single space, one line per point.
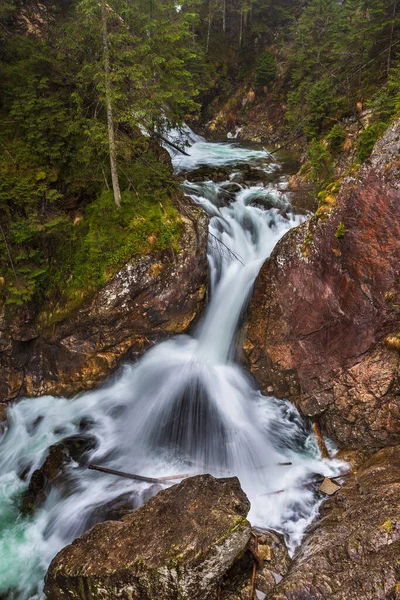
341 53
321 164
386 103
266 69
54 153
321 102
341 231
152 55
102 242
335 138
368 138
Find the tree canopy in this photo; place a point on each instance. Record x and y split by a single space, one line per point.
89 86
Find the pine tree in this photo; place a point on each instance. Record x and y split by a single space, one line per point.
73 101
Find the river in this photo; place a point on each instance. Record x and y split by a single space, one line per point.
187 406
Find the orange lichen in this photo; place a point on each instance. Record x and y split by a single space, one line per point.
393 341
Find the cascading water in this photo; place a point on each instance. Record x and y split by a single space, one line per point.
186 407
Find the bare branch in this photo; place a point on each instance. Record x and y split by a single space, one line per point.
231 253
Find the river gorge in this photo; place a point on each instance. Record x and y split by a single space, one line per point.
187 406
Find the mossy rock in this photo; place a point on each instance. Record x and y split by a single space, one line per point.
178 546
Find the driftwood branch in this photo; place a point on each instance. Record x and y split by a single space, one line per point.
320 440
312 482
174 146
257 563
139 477
287 143
282 464
152 479
231 253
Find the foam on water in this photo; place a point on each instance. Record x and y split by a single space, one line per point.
187 406
202 153
218 155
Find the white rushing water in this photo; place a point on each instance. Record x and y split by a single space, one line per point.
187 406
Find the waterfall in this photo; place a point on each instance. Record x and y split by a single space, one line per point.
187 406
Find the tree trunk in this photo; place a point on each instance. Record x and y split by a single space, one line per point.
241 28
110 118
389 60
8 252
224 16
209 26
246 14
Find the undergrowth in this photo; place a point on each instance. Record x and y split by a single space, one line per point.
100 242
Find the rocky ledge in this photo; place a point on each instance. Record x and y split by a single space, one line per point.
352 552
189 542
150 298
324 321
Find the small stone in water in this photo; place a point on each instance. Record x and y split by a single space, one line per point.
329 487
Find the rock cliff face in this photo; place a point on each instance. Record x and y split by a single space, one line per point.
178 545
352 552
324 320
150 298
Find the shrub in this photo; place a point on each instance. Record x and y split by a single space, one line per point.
341 231
321 101
368 138
266 69
336 137
321 163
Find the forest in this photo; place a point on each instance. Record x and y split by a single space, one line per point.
68 67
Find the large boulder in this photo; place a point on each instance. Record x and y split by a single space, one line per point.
179 545
324 320
152 297
353 552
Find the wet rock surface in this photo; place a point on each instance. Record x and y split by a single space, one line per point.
193 541
274 564
180 544
42 479
54 470
151 298
245 174
352 552
326 303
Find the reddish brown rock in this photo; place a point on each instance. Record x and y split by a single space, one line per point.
324 304
273 564
150 298
353 552
179 545
40 482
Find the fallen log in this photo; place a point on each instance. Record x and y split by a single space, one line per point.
320 480
140 477
231 252
174 146
257 563
282 464
173 477
320 440
287 143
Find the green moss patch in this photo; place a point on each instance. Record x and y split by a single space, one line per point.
99 242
